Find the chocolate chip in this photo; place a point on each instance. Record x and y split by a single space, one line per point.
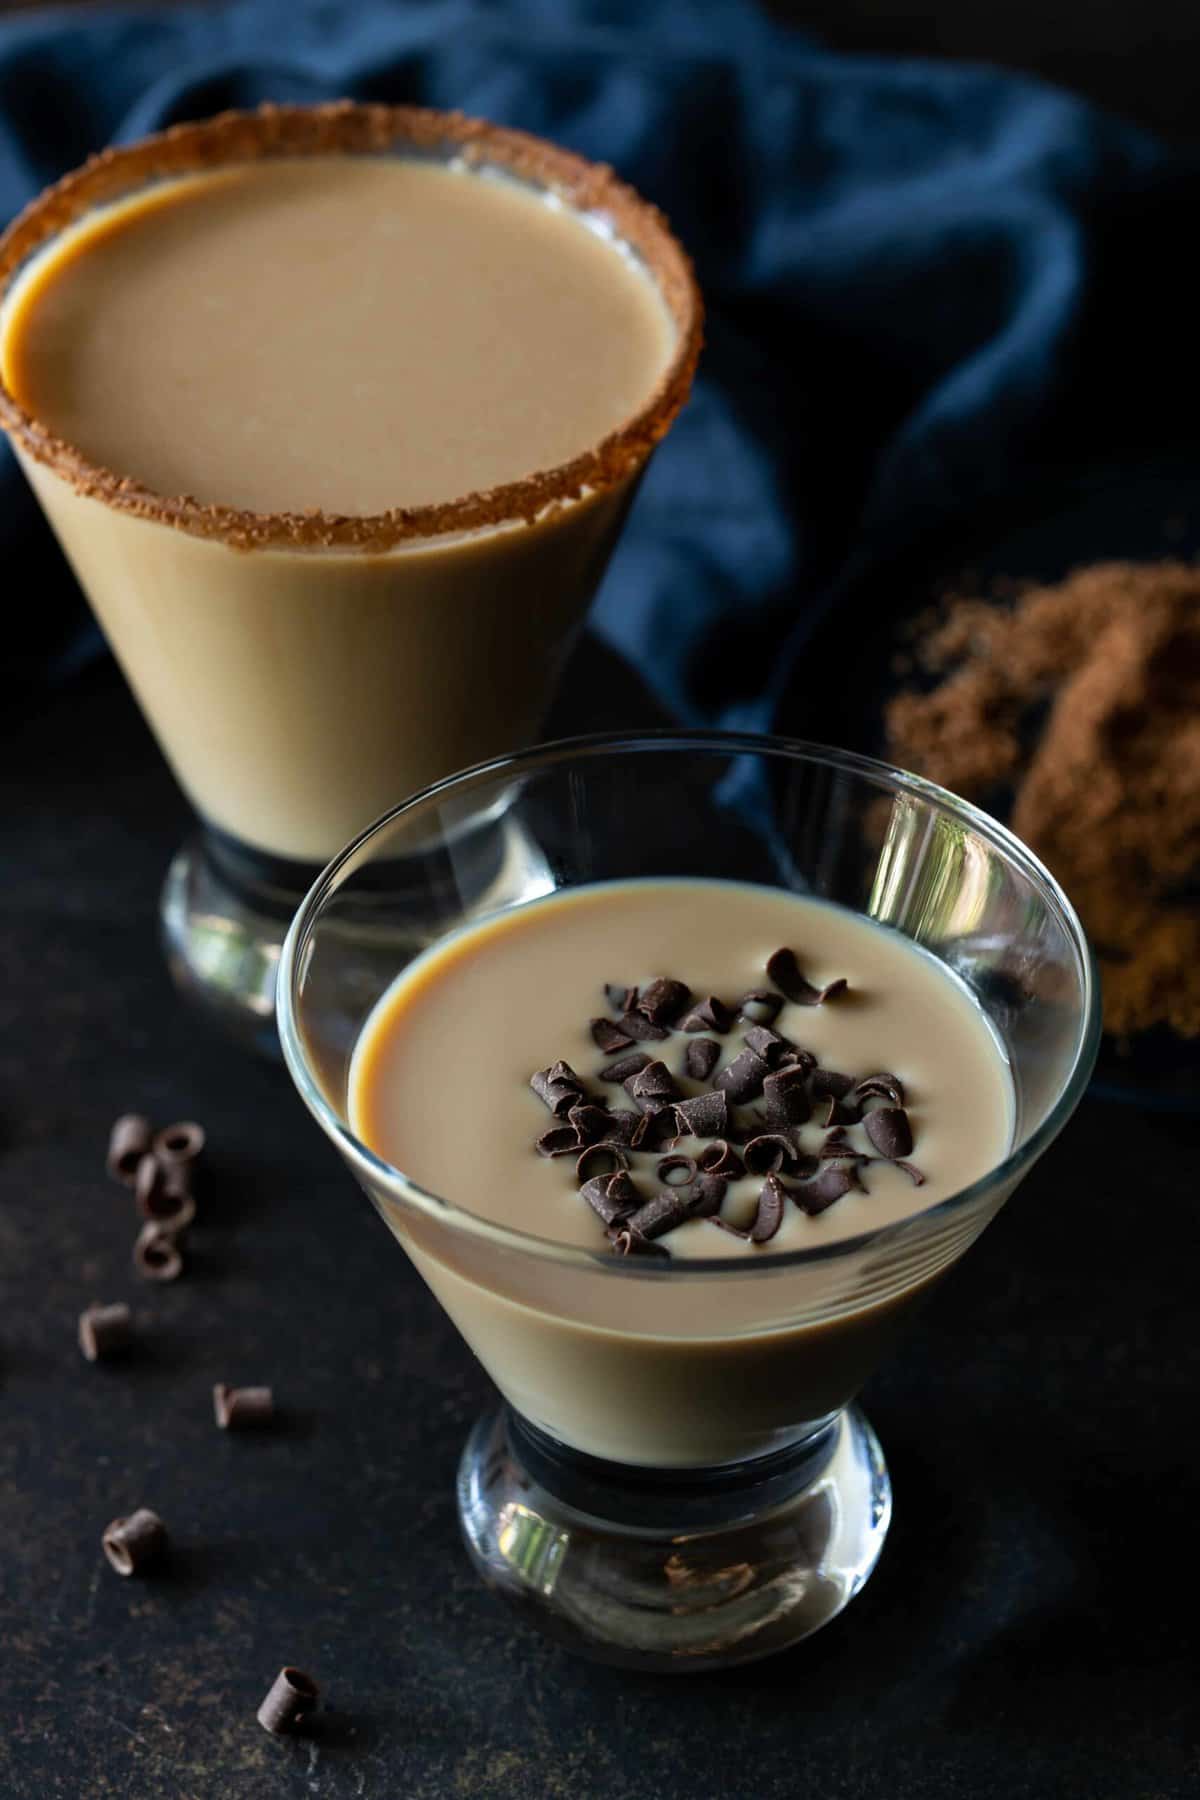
135 1544
768 1153
625 1066
636 1025
652 1087
760 1006
129 1140
660 1214
663 1000
290 1697
720 1158
769 1216
558 1087
880 1087
611 1198
709 1014
156 1253
911 1169
834 1180
181 1142
631 1243
654 1129
786 1096
559 1140
705 1196
609 1036
889 1130
677 1171
600 1161
105 1330
621 999
706 1115
743 1078
701 1058
590 1121
238 1409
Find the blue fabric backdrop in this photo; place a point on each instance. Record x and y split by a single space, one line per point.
925 282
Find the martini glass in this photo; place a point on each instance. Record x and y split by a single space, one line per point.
659 1563
300 669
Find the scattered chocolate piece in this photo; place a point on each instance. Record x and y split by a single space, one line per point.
652 1087
600 1161
743 1078
613 1199
590 1121
660 1214
794 1058
832 990
834 1180
789 978
786 1095
701 1058
720 1158
769 1216
558 1087
654 1129
880 1087
238 1408
621 999
164 1195
627 1242
768 1044
733 1230
911 1169
709 1014
637 1025
105 1330
705 1196
180 1143
625 1066
677 1171
768 1153
621 1127
291 1696
705 1115
136 1543
839 1113
156 1253
559 1140
829 1084
129 1140
663 1000
760 1006
609 1036
890 1131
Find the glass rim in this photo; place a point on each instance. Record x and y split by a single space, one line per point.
366 1163
347 127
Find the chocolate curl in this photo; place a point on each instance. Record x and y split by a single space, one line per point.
786 1096
769 1216
129 1140
238 1409
179 1143
290 1698
709 1014
720 1158
156 1254
164 1195
743 1078
760 1006
663 1000
784 970
135 1544
701 1058
105 1330
625 1066
706 1115
557 1087
613 1198
890 1132
609 1037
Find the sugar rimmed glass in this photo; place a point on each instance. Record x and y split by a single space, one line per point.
667 1562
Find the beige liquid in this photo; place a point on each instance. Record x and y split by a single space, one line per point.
352 335
685 1367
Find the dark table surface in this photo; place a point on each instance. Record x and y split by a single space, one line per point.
1027 1632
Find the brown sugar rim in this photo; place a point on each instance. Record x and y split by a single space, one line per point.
344 127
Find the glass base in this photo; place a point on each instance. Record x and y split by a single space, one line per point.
225 911
674 1570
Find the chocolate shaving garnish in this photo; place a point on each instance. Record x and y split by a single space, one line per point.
105 1330
663 1000
614 1199
621 999
637 1025
786 1096
832 990
769 1216
760 1006
291 1696
631 1243
829 1084
164 1194
609 1036
590 1121
890 1131
790 979
769 1153
180 1143
709 1014
910 1169
794 1058
559 1140
156 1253
600 1162
677 1171
767 1043
558 1087
652 1087
733 1230
701 1058
136 1543
880 1087
705 1116
625 1066
705 1195
660 1214
834 1180
237 1409
743 1078
621 1127
720 1158
654 1129
839 1113
129 1140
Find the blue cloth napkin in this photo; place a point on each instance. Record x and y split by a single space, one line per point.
924 281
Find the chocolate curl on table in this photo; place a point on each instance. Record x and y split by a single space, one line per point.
292 1696
156 1254
136 1543
129 1141
105 1330
179 1143
240 1409
163 1194
557 1087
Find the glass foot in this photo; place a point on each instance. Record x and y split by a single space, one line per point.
675 1569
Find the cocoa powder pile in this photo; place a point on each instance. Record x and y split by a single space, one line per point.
1074 711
